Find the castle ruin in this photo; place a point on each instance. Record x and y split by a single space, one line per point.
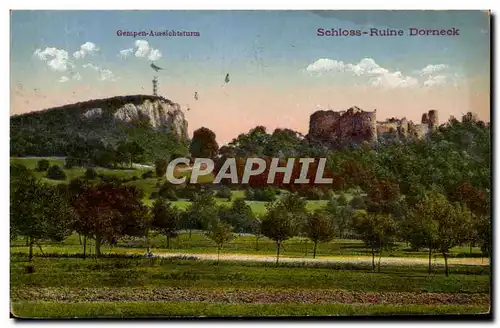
353 126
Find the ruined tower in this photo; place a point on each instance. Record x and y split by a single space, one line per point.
433 119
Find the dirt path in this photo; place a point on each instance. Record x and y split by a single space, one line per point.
331 259
132 294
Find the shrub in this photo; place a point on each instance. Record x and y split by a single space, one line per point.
42 165
358 203
224 192
56 173
261 194
90 173
70 162
312 193
148 175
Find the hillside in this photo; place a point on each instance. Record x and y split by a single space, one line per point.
156 123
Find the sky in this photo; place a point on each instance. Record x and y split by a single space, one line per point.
280 69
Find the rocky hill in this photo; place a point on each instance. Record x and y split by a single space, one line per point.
156 123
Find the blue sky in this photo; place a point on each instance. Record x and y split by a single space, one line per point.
262 50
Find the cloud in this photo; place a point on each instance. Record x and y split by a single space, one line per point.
56 59
86 48
91 66
63 79
125 53
155 54
378 75
76 76
325 65
394 80
141 49
434 80
106 75
431 69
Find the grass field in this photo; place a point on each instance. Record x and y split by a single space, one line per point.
187 280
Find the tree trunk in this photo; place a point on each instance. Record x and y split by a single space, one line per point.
373 259
30 255
278 244
430 259
314 251
98 245
445 263
84 247
379 258
27 241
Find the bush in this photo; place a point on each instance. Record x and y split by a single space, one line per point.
42 165
70 162
223 192
261 194
358 203
148 175
56 173
90 173
313 193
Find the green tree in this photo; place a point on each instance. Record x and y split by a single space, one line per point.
90 173
377 230
166 219
319 228
42 165
203 144
56 173
239 215
201 212
220 233
256 230
279 225
39 211
161 167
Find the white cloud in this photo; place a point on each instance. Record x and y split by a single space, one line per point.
142 48
63 79
91 66
56 59
378 76
432 69
125 53
106 75
86 48
155 54
434 80
325 65
76 76
394 80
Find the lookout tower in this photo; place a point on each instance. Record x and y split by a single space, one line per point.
155 86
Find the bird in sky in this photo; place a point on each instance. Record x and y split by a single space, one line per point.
196 95
156 68
227 78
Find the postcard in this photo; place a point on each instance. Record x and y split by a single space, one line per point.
255 164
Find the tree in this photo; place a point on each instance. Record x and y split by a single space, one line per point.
42 165
239 215
439 225
90 173
38 211
377 230
203 144
256 229
279 225
201 212
108 211
166 219
220 233
56 173
319 228
161 167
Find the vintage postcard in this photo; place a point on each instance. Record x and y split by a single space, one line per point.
193 164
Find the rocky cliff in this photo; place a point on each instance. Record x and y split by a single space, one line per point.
110 120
